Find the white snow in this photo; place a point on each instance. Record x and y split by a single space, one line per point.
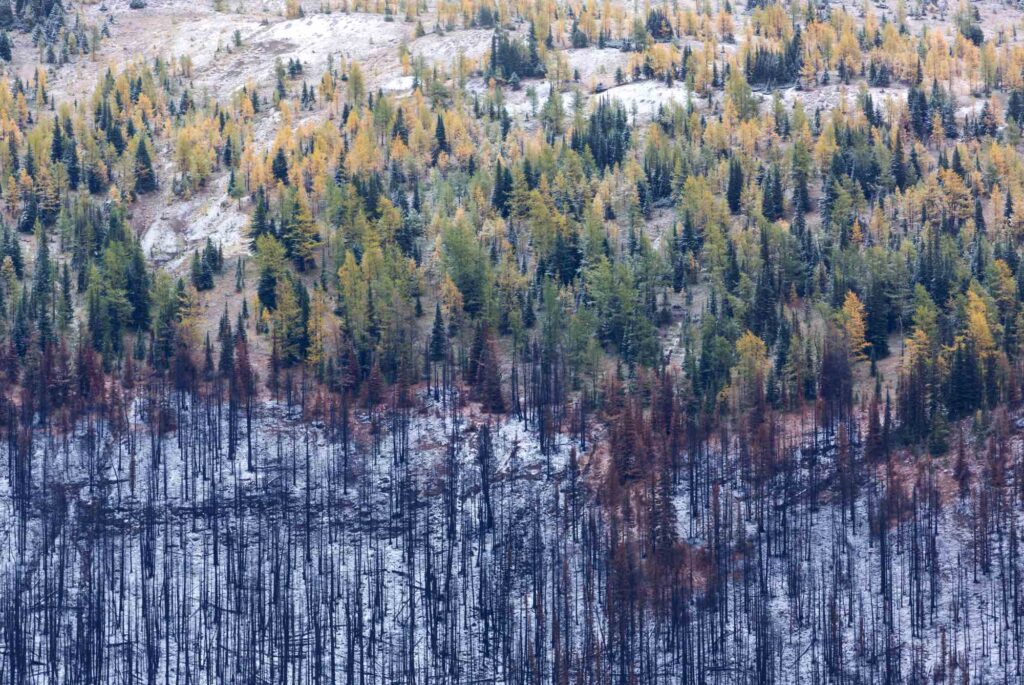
645 97
184 225
443 49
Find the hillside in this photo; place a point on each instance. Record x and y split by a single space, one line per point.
511 342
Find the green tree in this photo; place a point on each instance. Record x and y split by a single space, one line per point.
299 232
467 263
734 191
279 166
438 339
145 176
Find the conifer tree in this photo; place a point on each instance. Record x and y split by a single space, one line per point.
145 176
853 326
440 139
259 224
289 326
299 233
438 341
735 188
279 167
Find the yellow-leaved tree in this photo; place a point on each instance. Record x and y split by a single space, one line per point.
749 375
853 325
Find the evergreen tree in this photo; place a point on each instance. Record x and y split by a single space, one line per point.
145 176
290 318
259 224
607 134
202 274
772 203
299 233
440 139
502 189
56 142
897 165
763 313
734 190
877 320
438 338
279 167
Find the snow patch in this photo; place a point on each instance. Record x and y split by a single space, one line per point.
596 66
443 49
185 225
646 97
828 97
399 84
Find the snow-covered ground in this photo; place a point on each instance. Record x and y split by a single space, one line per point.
445 49
170 546
184 225
382 558
827 98
646 97
597 66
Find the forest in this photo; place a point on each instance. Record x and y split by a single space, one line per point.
514 375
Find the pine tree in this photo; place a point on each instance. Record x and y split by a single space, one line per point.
260 223
145 176
488 375
877 320
289 327
42 287
763 313
502 189
897 165
201 272
56 142
772 204
438 339
299 234
734 191
279 167
226 359
440 139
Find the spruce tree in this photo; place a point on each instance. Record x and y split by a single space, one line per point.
145 177
772 204
299 234
762 318
733 193
440 139
260 222
438 341
279 167
201 272
502 189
